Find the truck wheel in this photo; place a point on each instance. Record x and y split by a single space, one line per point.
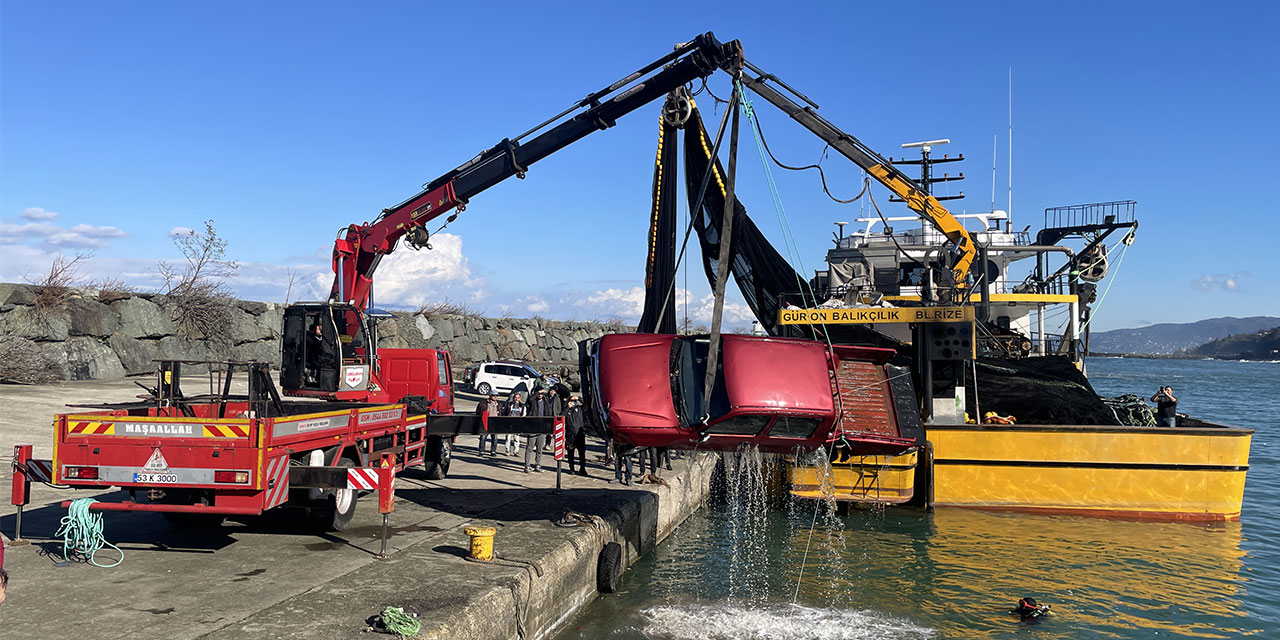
609 568
439 452
334 510
484 388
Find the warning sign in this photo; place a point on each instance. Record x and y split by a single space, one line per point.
873 315
156 462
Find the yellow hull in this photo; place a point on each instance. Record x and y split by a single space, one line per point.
1139 472
869 479
1194 474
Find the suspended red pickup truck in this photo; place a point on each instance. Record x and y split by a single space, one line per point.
779 394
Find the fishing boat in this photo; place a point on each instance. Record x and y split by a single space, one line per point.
1014 424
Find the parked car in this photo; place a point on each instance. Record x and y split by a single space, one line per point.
504 375
780 394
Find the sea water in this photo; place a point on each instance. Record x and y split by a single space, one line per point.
802 572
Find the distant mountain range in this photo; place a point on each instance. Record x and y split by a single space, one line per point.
1264 345
1169 338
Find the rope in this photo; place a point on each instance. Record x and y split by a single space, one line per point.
81 531
399 622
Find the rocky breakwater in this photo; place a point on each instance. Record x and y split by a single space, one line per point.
101 335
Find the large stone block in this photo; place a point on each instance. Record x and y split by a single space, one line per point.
424 327
261 351
174 348
136 356
270 321
254 308
13 293
444 328
27 322
91 318
140 318
83 358
244 327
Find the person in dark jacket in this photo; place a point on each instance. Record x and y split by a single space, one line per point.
320 354
1166 407
539 406
575 435
490 406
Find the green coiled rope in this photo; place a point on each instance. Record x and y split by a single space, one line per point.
81 531
399 622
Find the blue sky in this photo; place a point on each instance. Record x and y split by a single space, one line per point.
284 122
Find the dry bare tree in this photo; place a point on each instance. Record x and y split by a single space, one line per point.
199 297
53 289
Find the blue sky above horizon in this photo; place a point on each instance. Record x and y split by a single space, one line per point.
284 122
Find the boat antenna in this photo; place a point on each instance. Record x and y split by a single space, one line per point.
995 138
1008 223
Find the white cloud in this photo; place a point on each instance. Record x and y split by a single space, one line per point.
534 304
411 278
628 304
36 213
10 232
1229 282
625 303
55 237
181 231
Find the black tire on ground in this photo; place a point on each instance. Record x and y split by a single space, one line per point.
484 388
609 568
439 452
334 510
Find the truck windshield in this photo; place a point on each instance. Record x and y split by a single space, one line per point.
688 372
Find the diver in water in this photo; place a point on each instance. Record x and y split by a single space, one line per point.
1029 611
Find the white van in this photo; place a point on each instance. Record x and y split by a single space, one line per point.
503 376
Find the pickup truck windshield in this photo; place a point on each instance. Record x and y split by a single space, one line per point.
688 372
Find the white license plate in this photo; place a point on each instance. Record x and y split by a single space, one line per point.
156 478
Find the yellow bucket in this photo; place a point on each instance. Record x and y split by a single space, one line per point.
481 542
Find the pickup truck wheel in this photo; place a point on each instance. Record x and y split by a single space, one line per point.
484 388
334 510
439 452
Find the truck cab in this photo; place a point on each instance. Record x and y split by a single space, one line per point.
330 351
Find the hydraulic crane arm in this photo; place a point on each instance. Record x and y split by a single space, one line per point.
882 170
356 255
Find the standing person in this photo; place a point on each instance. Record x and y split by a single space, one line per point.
575 435
490 406
1166 407
515 407
540 407
622 464
4 583
662 454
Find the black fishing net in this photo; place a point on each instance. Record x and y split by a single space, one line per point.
660 267
1132 410
762 274
1044 390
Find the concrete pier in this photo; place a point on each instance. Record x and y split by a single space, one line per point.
267 577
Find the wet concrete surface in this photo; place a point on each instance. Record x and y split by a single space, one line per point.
269 576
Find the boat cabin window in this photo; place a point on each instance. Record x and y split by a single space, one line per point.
689 370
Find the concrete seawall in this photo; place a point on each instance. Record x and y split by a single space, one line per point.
545 573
